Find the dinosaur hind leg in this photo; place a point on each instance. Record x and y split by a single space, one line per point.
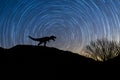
39 43
45 44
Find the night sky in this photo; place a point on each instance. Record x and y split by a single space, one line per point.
74 22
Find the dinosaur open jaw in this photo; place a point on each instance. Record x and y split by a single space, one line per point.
53 39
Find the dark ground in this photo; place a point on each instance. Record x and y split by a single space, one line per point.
27 54
54 64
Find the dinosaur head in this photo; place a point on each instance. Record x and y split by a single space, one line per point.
53 38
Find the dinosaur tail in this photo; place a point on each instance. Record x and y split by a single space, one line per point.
32 38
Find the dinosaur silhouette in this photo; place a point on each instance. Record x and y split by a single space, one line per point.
43 40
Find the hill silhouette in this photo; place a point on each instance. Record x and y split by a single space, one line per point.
23 54
39 54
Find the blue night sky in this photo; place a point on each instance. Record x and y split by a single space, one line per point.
74 22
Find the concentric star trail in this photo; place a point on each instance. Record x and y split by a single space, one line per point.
74 22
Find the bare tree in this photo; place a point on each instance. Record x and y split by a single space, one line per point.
103 49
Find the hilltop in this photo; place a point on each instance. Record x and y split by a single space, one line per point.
25 54
38 54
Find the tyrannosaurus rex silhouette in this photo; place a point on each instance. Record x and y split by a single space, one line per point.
43 40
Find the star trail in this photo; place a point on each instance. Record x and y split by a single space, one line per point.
74 22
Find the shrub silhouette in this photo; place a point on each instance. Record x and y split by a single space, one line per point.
103 49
